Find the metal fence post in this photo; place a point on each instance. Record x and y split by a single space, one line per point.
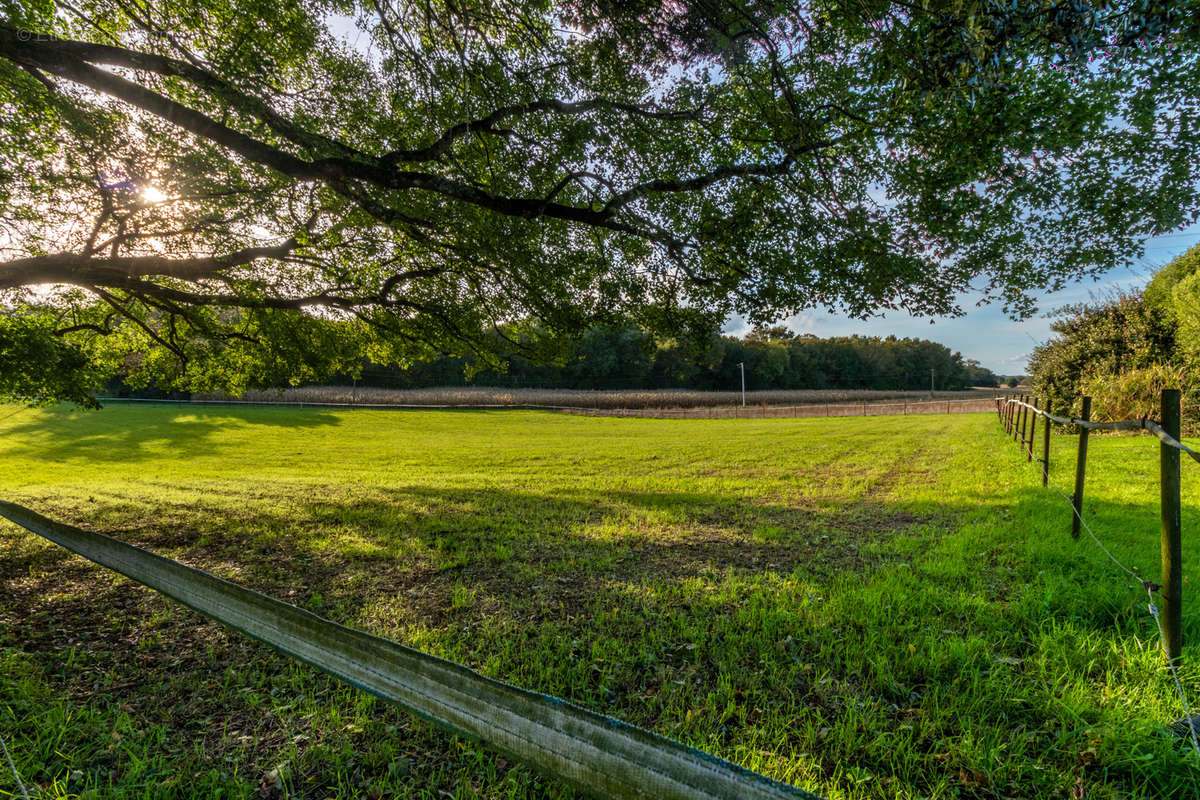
1172 571
1080 468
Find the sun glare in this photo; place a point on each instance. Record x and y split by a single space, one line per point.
151 194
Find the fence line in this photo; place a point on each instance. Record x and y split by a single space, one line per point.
597 753
1169 631
1170 447
1139 424
1150 588
804 410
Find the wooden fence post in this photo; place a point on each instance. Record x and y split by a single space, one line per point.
1080 468
1172 571
1046 447
1024 421
1033 418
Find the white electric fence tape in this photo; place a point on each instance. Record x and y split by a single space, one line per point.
1142 424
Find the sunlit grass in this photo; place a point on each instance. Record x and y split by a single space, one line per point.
879 607
585 398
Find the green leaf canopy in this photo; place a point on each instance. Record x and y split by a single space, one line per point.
243 192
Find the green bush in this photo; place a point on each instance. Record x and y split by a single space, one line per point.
1120 334
1159 292
1174 292
1137 393
1124 350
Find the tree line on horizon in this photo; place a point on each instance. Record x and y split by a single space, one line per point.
627 356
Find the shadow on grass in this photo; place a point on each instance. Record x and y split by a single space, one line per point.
424 542
514 545
940 632
111 435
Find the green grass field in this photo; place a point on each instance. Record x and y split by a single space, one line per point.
881 607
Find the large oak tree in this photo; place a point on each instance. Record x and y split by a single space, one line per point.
228 192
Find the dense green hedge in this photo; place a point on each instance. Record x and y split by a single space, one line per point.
1123 350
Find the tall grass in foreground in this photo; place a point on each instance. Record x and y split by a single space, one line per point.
582 398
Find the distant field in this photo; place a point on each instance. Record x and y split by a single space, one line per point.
881 607
623 399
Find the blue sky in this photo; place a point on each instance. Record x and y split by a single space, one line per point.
987 334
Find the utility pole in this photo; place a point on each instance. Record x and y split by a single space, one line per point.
742 366
931 381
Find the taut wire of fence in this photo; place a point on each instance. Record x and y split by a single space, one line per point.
602 755
1139 424
1174 668
1150 588
13 768
1170 640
